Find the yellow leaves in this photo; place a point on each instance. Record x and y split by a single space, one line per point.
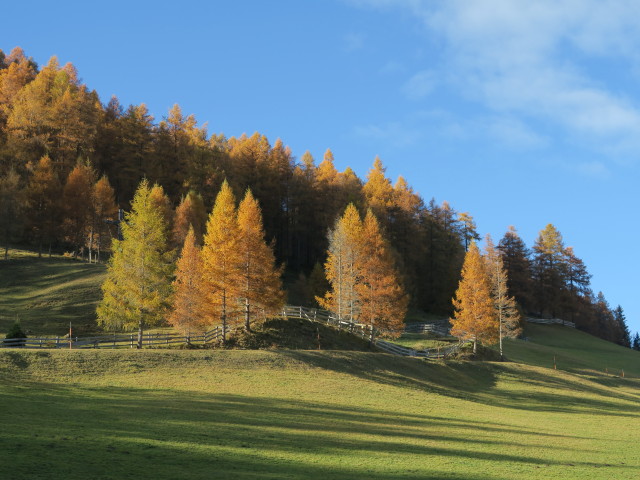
364 282
474 317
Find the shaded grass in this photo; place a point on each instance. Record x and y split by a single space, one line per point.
48 293
306 414
574 351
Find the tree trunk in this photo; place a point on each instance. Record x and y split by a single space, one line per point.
139 334
247 319
223 317
475 343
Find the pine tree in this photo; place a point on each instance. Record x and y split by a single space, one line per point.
516 259
260 286
342 266
474 311
548 270
187 307
378 191
138 283
221 259
383 303
468 228
624 336
505 306
162 203
636 342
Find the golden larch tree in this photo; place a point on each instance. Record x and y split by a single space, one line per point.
260 286
474 315
221 259
187 306
383 303
342 266
77 203
190 213
138 283
505 306
104 208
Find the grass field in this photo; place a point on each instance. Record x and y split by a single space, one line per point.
303 414
48 293
272 414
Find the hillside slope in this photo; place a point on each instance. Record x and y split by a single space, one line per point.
48 293
307 414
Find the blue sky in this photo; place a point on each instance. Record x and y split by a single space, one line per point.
522 113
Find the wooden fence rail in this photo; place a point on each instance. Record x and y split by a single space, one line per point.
161 339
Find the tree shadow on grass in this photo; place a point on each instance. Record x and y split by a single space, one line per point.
477 382
53 431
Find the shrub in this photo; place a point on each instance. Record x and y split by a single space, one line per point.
16 332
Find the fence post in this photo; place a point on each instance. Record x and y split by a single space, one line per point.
132 340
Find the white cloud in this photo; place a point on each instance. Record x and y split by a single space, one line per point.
535 60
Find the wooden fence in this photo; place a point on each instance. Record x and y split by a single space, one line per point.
162 339
551 321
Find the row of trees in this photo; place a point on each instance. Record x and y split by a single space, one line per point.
232 272
551 281
54 129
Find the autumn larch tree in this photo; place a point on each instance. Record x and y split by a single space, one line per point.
474 315
260 285
138 283
383 303
43 203
11 206
342 266
221 259
187 308
506 309
190 212
104 208
77 205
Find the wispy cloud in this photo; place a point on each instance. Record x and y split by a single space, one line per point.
536 60
420 85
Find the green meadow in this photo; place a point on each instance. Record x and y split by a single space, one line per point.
291 413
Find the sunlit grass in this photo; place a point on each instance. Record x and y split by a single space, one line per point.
302 414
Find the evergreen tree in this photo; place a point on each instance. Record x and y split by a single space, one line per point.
138 284
383 303
505 306
636 342
548 270
187 306
622 330
516 259
474 310
221 259
468 229
259 286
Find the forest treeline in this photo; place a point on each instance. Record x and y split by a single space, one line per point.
68 162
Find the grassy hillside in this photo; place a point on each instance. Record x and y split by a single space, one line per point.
48 293
304 414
